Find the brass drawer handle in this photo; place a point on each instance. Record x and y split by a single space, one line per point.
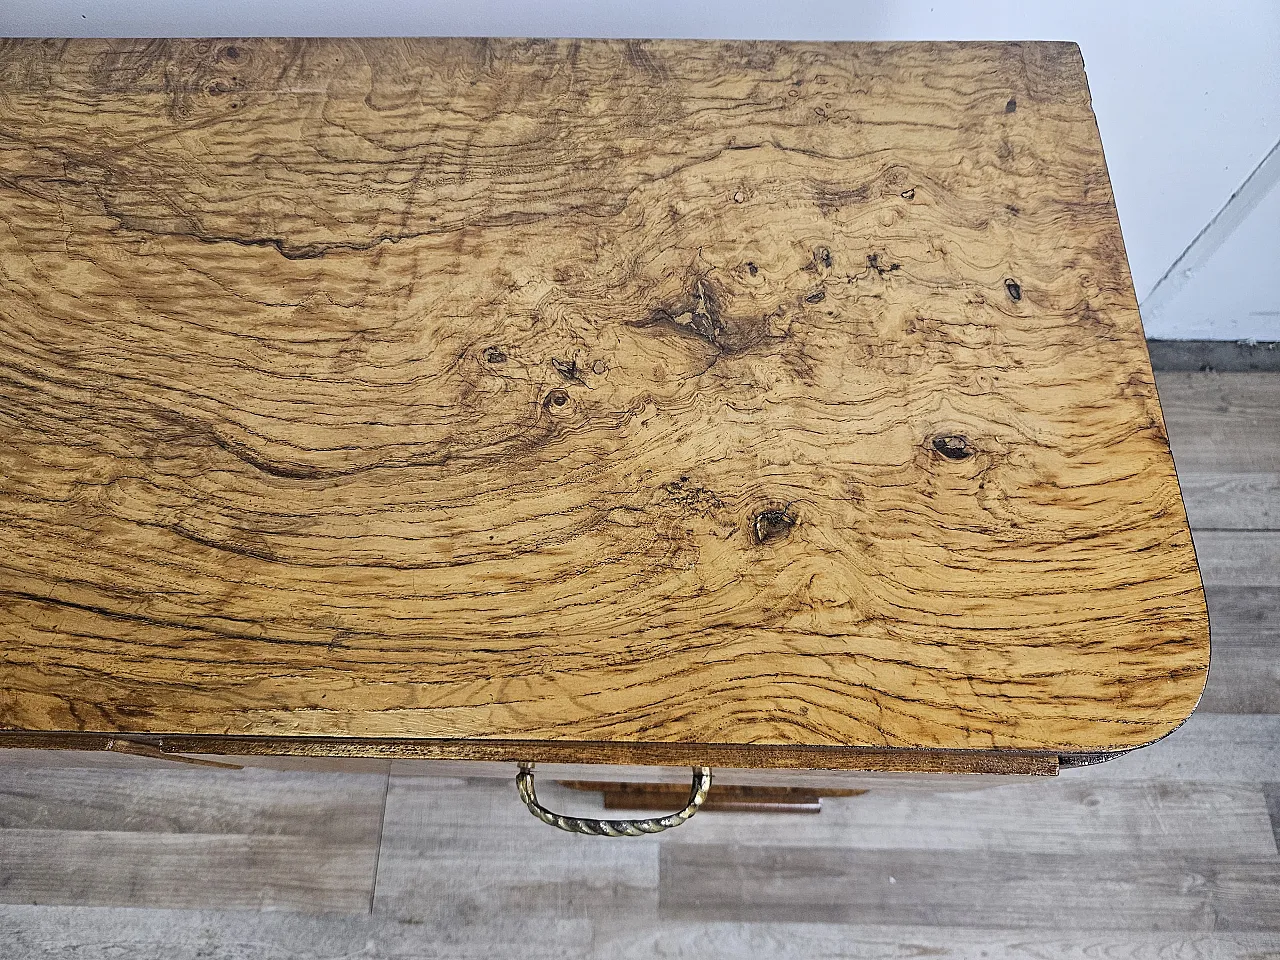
613 828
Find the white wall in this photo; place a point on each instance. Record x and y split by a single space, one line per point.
1187 97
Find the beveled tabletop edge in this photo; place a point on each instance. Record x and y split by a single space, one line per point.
793 757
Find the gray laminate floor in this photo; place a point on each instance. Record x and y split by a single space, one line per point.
1167 853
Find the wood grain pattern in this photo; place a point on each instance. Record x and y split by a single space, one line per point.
979 889
191 838
341 808
1210 747
804 941
1162 854
1222 821
630 392
1198 794
42 933
1225 433
1245 674
275 872
1240 559
1222 422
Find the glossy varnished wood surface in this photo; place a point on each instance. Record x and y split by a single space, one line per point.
1166 853
568 392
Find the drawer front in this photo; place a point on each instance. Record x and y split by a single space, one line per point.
612 773
463 769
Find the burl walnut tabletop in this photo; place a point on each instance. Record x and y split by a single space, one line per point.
641 401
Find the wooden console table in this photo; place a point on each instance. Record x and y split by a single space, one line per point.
781 407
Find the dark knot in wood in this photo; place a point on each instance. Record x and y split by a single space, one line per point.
568 369
953 447
773 524
699 315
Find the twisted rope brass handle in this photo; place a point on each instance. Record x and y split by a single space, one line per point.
613 828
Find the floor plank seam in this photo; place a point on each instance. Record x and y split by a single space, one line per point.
377 849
